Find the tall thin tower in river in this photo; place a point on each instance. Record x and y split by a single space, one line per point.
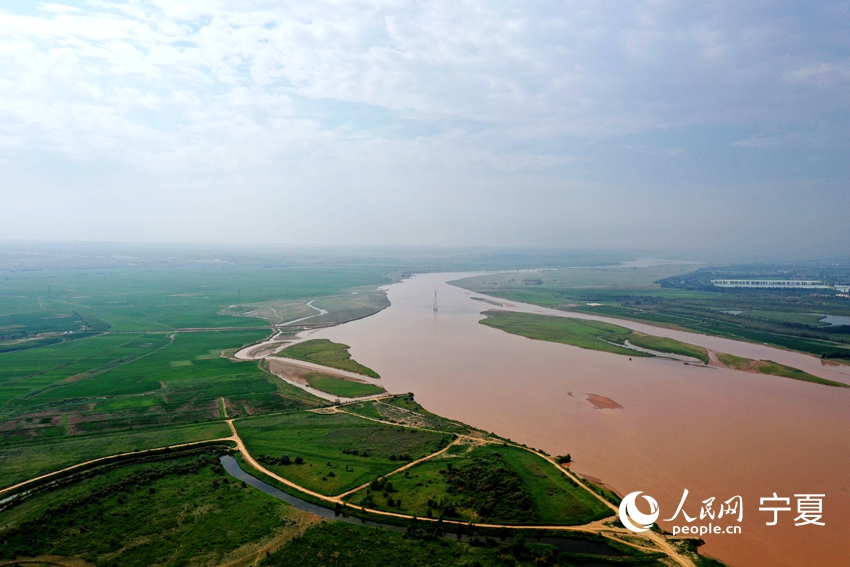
435 301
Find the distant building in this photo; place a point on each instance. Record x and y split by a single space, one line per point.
772 284
843 288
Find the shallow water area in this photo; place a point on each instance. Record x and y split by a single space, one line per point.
714 431
835 320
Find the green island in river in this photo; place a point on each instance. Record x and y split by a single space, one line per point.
606 337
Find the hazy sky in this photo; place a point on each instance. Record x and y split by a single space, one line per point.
570 124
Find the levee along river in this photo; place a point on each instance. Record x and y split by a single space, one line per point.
713 431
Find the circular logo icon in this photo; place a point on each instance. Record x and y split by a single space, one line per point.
634 519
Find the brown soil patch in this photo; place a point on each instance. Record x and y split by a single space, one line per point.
751 366
601 402
77 377
299 374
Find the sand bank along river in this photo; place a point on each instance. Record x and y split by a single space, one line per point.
714 431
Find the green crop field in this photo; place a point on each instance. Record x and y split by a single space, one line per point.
114 382
327 444
161 298
341 386
180 511
327 353
491 483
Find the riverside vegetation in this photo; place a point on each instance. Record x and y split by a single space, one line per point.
327 353
594 335
677 296
108 360
639 295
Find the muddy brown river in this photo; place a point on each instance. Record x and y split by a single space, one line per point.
716 432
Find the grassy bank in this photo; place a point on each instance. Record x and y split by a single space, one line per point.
339 451
774 369
648 295
662 344
327 353
342 387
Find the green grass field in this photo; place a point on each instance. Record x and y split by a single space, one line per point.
327 353
503 484
341 386
181 512
24 461
320 439
594 335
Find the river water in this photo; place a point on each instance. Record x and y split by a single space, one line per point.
716 432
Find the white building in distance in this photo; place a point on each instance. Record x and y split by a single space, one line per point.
772 284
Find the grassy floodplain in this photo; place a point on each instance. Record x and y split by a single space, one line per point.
175 510
597 335
402 409
774 369
340 451
678 297
327 353
491 483
594 335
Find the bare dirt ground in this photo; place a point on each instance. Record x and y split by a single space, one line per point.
296 373
601 402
